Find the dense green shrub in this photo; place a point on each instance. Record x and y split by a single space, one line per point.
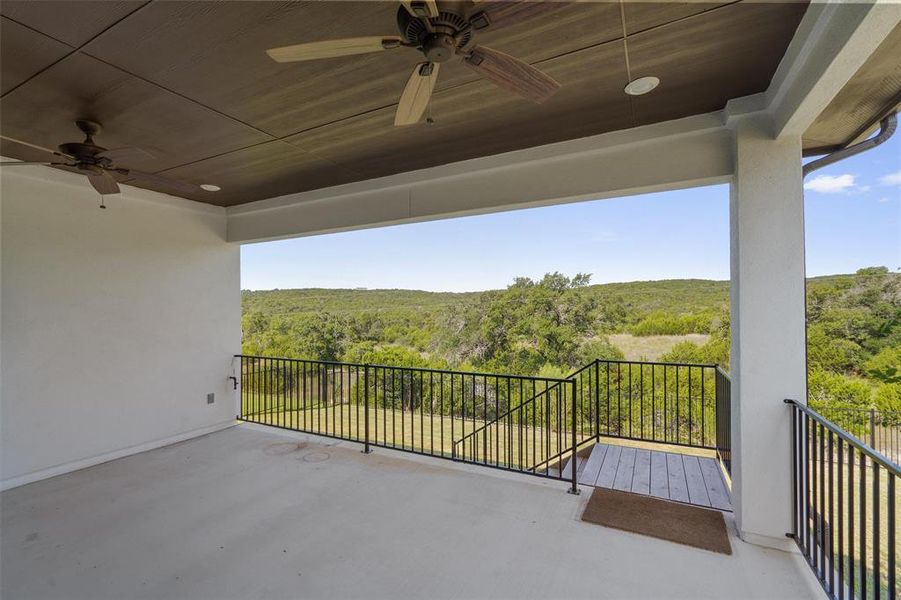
888 402
597 348
886 365
827 390
662 323
827 353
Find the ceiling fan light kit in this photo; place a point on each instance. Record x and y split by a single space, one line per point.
441 34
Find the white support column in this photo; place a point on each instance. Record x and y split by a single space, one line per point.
768 325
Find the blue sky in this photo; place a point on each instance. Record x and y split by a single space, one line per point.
853 219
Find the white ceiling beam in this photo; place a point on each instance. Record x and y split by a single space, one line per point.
664 156
833 41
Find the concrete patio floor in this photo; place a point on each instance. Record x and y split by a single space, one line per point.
246 513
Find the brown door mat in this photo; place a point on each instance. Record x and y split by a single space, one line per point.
681 523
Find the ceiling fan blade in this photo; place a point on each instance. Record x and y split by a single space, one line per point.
35 146
333 48
421 8
103 182
162 181
417 93
508 12
17 162
512 74
125 154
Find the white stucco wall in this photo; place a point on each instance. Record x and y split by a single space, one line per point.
115 323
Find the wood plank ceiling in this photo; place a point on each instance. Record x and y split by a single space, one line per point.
190 83
873 92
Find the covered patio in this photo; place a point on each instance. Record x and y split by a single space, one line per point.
124 470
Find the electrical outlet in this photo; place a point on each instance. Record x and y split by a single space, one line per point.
210 398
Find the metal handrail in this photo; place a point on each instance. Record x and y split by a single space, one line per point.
554 380
656 363
862 446
522 404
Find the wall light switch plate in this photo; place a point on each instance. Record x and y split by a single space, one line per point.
210 398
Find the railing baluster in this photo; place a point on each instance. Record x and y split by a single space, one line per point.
666 419
653 404
690 415
366 448
831 520
841 520
863 526
822 508
608 399
851 549
891 500
794 470
810 493
877 566
573 459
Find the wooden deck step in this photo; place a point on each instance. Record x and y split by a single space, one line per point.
668 475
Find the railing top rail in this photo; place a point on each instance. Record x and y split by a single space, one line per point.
549 380
860 409
848 437
658 363
307 360
573 374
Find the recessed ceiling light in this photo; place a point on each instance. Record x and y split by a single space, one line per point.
641 86
210 187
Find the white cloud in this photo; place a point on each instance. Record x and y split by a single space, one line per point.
883 200
891 179
831 184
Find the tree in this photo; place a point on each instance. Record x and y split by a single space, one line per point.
526 326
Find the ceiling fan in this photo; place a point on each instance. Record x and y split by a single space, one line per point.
99 164
440 34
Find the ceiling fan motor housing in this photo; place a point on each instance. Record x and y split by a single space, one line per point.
85 152
81 151
439 37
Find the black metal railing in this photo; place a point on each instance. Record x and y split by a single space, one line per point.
512 422
880 429
669 403
844 508
413 409
678 404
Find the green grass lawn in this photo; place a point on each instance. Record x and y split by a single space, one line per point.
652 347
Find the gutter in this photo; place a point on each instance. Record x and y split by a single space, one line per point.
887 129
